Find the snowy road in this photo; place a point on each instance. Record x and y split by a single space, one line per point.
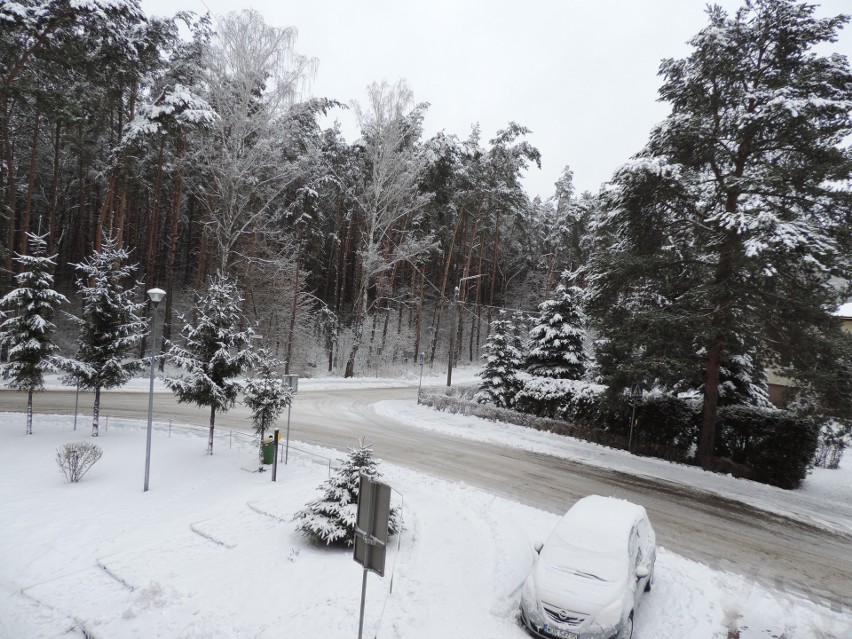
782 553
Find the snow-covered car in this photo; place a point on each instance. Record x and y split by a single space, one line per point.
591 572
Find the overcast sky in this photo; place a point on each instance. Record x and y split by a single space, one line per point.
581 74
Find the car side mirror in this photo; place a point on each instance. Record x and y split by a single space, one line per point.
538 546
642 572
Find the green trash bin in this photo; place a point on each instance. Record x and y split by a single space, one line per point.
268 450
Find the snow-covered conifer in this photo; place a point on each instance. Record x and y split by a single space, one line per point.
728 232
267 395
28 333
216 350
331 519
503 360
110 324
556 341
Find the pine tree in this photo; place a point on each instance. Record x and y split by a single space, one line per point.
267 395
720 238
110 324
556 341
216 350
503 360
332 518
28 334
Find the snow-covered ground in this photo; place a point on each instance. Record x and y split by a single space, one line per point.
210 552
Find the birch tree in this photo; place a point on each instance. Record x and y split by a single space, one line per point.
387 194
253 76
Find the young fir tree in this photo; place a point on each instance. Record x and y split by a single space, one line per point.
720 238
28 333
215 351
556 341
503 360
110 324
267 395
332 518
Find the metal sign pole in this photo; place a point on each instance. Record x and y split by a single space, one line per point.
287 444
632 421
635 396
275 457
422 361
363 593
76 402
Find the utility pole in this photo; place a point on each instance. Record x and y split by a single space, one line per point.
456 327
453 337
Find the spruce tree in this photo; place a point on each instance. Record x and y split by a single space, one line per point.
724 236
110 324
331 519
28 333
215 351
556 341
503 360
267 395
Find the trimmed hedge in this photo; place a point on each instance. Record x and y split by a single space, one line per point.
778 445
666 426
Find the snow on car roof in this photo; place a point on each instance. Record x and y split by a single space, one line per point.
599 521
589 542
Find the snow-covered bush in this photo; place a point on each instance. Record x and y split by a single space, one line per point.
569 399
834 438
331 519
778 445
75 459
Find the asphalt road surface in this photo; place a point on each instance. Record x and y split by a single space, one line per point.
776 551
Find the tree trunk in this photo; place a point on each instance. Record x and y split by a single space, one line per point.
11 195
28 205
440 305
210 434
96 410
294 307
54 192
177 199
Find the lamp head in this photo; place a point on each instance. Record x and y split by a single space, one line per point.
156 295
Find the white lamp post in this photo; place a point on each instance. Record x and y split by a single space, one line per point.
156 295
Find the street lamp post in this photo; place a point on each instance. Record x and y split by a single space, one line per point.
156 295
456 327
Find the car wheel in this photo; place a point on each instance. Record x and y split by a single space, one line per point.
627 630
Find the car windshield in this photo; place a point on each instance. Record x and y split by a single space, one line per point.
587 561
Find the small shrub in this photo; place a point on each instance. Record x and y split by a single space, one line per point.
75 459
332 519
778 445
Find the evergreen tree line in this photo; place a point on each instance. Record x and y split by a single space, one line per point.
200 155
722 248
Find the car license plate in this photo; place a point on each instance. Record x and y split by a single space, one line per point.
558 632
